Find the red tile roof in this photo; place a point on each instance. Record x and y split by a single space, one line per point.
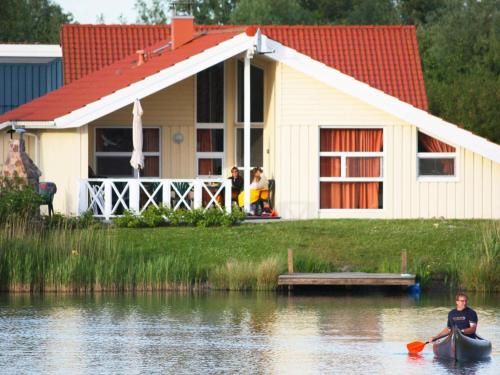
385 57
109 79
99 60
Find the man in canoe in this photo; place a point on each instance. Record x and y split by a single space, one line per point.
463 317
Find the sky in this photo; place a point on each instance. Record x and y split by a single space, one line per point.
86 11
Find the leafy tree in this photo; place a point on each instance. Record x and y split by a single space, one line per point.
328 11
204 11
154 12
276 12
461 60
31 21
415 12
372 12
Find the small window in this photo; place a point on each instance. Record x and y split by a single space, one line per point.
256 147
435 158
210 95
256 93
114 149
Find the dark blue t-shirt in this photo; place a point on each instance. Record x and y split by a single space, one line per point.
461 319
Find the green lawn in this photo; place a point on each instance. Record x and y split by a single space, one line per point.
321 245
361 245
248 256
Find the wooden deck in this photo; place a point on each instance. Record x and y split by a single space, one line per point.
347 278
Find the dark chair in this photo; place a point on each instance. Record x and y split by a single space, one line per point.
47 190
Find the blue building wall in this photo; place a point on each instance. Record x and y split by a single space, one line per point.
21 83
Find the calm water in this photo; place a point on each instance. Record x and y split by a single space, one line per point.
231 333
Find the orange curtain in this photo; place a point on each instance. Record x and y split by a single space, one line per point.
151 166
433 145
206 166
204 140
430 144
351 194
329 166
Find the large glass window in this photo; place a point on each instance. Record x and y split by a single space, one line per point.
210 95
210 121
351 168
256 147
435 158
256 93
114 147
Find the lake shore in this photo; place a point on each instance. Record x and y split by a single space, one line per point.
449 253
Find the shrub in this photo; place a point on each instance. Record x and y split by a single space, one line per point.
128 220
153 217
158 216
17 199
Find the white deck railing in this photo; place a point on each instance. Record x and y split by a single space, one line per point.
110 197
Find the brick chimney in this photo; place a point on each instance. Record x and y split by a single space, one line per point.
182 30
19 164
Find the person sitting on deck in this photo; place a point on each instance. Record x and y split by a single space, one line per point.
463 317
236 184
259 190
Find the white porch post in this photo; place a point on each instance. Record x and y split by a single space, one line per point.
227 195
198 191
246 130
108 191
134 193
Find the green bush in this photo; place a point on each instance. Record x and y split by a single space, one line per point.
153 217
161 216
17 199
128 220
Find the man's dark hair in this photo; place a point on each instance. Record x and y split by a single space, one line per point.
461 294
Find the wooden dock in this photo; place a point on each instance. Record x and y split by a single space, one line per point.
347 278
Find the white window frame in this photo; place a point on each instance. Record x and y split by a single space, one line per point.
343 169
128 154
437 155
215 125
236 127
264 86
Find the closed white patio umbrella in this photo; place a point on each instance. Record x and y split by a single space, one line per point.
137 159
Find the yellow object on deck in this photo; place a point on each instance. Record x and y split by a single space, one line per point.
255 195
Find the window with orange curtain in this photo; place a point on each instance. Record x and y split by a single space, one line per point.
209 151
351 168
435 158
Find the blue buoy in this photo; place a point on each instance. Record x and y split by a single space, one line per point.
414 289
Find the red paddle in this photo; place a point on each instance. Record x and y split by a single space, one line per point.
417 346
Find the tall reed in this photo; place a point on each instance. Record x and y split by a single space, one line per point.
480 269
34 258
246 275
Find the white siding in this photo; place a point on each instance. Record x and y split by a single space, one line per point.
303 105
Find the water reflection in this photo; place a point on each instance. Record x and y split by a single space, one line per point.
461 368
229 332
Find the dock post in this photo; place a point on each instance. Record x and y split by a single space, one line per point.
290 267
404 261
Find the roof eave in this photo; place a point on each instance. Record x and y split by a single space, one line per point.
28 124
156 82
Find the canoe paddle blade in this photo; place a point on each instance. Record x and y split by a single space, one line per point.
415 347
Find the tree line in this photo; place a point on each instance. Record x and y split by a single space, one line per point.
459 40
